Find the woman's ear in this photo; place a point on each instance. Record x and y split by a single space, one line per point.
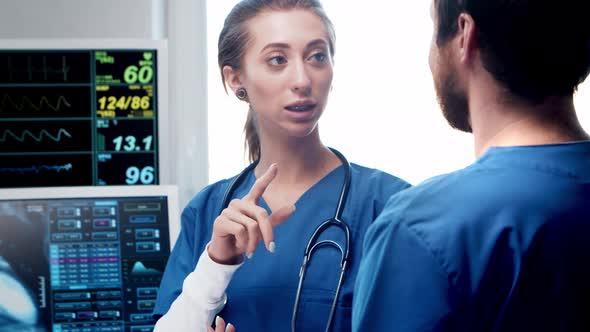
232 78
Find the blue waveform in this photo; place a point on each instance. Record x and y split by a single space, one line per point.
140 269
37 169
26 103
39 138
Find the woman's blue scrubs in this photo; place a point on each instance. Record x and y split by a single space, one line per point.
261 294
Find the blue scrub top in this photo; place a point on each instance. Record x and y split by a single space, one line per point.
262 292
503 245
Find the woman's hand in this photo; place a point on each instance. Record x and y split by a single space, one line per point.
243 224
220 326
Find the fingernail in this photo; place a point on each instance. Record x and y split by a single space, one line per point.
227 326
217 321
272 246
250 255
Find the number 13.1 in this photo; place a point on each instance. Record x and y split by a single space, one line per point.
130 146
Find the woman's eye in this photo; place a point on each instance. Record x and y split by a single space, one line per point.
319 57
277 60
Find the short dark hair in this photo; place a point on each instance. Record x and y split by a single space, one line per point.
535 48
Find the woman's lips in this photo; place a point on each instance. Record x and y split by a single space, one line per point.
301 111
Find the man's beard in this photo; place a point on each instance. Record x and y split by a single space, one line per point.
451 99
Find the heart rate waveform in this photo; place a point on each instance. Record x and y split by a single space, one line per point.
44 136
22 137
44 67
37 169
45 102
45 170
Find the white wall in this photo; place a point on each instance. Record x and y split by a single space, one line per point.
582 102
188 94
75 19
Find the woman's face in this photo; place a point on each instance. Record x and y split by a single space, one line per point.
287 71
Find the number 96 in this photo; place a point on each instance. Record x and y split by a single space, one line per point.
145 175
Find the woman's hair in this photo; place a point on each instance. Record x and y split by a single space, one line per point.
233 40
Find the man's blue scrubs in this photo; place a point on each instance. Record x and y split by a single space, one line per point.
502 245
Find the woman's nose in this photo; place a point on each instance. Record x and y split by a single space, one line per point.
301 79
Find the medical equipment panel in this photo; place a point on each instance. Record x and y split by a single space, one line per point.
89 264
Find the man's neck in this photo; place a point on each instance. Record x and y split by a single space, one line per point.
498 121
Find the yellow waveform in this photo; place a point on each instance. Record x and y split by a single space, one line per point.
26 103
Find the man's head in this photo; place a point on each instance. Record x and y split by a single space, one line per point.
532 49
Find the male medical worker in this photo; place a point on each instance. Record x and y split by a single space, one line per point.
504 244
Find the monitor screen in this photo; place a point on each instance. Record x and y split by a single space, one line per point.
83 259
74 117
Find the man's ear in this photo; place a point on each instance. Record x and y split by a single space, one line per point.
232 78
467 41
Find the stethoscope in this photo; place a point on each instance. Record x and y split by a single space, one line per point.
313 244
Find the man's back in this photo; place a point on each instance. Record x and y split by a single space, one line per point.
503 245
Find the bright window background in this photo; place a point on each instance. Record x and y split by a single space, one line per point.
382 111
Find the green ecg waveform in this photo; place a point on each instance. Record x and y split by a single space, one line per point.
45 69
38 138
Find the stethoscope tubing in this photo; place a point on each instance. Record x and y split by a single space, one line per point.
313 244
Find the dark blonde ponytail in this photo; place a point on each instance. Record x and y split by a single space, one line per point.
252 141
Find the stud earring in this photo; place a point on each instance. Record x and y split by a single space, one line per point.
241 93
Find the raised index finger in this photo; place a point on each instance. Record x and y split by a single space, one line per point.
261 184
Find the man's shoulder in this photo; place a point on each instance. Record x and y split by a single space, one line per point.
473 191
465 201
440 193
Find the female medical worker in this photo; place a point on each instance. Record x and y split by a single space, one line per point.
277 56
